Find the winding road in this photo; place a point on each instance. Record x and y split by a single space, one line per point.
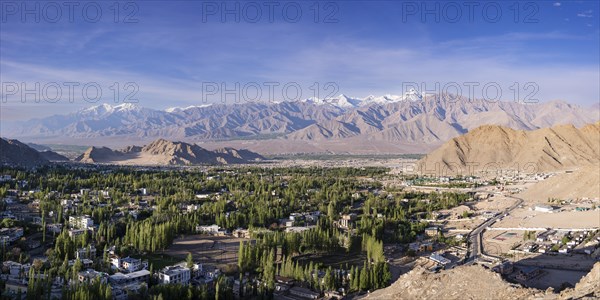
475 237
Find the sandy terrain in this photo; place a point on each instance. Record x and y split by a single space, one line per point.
464 282
584 182
475 282
496 203
523 217
499 242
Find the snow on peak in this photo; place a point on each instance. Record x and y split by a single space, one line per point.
179 109
126 107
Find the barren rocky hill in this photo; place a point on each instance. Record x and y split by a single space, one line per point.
13 152
476 282
163 152
463 282
53 156
491 147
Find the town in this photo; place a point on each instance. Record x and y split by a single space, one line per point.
108 232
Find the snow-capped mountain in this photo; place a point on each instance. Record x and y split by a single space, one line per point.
409 118
344 101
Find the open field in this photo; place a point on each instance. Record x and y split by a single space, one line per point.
205 248
333 259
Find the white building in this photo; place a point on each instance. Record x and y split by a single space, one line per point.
212 229
128 264
543 208
81 222
134 277
88 252
439 259
90 275
174 274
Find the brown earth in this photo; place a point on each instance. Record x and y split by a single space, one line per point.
496 147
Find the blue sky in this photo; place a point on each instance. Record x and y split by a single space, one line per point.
364 47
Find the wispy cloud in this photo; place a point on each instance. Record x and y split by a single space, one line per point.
585 14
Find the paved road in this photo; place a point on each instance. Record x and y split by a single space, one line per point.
475 237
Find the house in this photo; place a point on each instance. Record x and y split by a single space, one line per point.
128 264
333 295
288 223
88 252
211 229
526 273
174 274
123 291
420 247
91 275
208 272
242 233
543 208
432 231
54 228
10 235
192 207
76 232
86 263
16 269
439 259
347 221
14 287
81 222
133 277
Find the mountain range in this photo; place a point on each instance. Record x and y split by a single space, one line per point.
493 147
417 120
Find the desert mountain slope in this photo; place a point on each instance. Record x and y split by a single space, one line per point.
163 152
581 183
99 155
13 152
547 149
53 156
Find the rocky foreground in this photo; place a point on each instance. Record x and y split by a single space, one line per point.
476 282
